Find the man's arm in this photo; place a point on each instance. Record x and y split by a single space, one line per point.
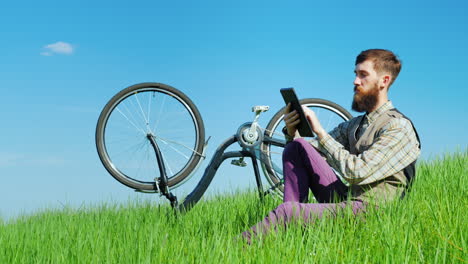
339 134
393 150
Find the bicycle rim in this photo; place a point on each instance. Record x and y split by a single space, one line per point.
149 108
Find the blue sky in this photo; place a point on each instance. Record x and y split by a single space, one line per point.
62 61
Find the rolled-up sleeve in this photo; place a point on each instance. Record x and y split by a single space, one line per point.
395 148
338 134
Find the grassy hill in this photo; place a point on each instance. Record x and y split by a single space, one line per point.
428 226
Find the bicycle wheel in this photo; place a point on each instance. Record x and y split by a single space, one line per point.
149 108
329 114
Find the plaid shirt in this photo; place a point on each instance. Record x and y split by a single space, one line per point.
394 149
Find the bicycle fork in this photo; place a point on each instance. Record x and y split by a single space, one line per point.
161 182
248 136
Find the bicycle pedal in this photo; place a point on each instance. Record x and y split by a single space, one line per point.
239 163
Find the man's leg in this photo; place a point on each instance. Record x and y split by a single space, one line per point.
292 211
304 168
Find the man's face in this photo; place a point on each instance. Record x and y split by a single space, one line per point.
366 87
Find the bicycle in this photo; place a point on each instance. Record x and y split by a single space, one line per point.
138 146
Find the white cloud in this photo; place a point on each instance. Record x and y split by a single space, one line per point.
59 47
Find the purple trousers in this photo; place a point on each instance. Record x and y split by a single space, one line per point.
305 169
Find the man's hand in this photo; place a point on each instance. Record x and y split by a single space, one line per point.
291 118
314 122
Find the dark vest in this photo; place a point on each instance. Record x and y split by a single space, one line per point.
389 186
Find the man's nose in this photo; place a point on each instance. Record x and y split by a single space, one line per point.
357 81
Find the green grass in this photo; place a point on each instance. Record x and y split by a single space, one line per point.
428 226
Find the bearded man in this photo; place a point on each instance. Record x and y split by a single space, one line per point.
375 153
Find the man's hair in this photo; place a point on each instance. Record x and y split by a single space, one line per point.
384 61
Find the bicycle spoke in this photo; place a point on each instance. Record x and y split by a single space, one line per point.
271 133
328 124
149 110
174 119
160 112
167 164
139 167
175 142
130 113
138 129
172 131
174 148
133 148
124 138
141 109
272 152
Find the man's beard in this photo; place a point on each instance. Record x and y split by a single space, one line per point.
364 102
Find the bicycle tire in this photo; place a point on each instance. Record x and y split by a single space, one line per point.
271 171
173 95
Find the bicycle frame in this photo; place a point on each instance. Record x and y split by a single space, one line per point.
247 129
218 158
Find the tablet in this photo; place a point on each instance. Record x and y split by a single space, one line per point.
304 127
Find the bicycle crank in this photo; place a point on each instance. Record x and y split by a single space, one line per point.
248 138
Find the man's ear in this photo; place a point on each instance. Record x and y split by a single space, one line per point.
386 79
